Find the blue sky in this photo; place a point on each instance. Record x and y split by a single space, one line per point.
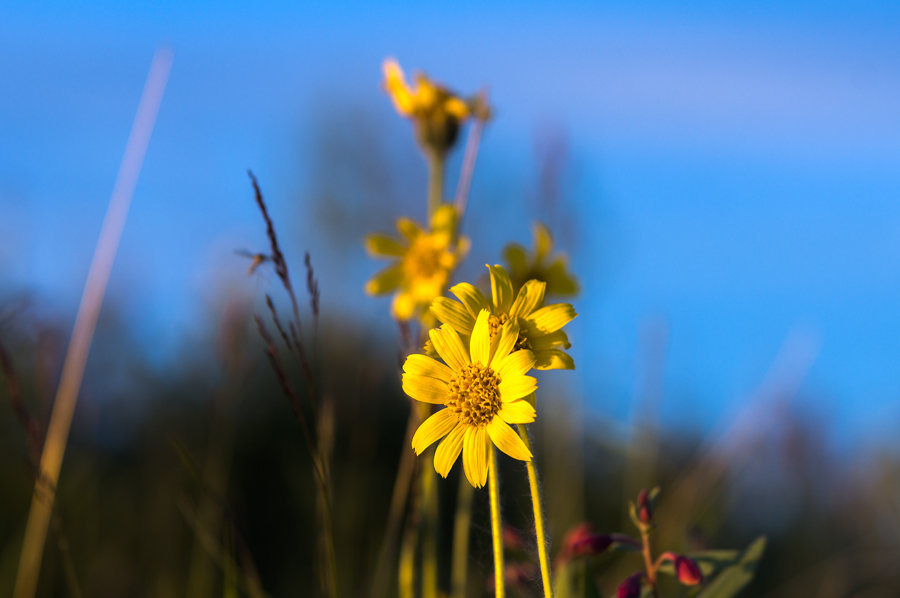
733 171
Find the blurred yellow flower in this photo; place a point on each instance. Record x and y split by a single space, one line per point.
436 111
424 261
483 387
540 326
540 265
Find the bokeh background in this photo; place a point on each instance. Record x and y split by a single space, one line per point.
723 177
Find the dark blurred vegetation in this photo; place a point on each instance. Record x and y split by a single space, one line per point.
173 476
167 471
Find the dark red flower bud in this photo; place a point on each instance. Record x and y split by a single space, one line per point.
687 571
631 587
519 574
512 539
580 541
645 511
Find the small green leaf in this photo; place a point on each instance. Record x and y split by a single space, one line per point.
734 579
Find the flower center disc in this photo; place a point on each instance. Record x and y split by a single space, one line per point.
475 395
423 259
497 322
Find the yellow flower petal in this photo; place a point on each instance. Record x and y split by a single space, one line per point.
504 344
425 389
385 281
550 340
553 359
501 289
471 298
476 447
515 364
543 241
563 283
515 255
480 343
457 108
443 221
517 412
408 228
454 313
530 296
448 450
433 429
395 84
448 345
422 365
551 318
516 387
508 441
404 306
381 245
468 457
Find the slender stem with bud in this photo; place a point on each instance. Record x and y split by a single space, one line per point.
648 561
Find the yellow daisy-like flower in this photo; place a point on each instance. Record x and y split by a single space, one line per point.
540 265
540 327
436 111
424 261
483 387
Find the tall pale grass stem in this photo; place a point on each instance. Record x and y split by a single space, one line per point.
540 535
85 323
496 527
468 167
461 525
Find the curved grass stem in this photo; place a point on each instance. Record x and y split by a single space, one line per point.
540 535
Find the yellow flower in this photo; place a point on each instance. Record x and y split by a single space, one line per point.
524 265
540 327
482 386
424 261
436 111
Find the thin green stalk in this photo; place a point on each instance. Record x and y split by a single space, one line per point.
496 530
435 181
540 536
402 489
429 531
406 570
328 539
461 526
648 562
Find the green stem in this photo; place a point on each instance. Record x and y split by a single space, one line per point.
435 181
496 530
328 539
461 526
648 562
540 536
429 531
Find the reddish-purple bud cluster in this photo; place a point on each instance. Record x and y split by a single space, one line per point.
512 539
687 571
644 509
581 541
631 587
